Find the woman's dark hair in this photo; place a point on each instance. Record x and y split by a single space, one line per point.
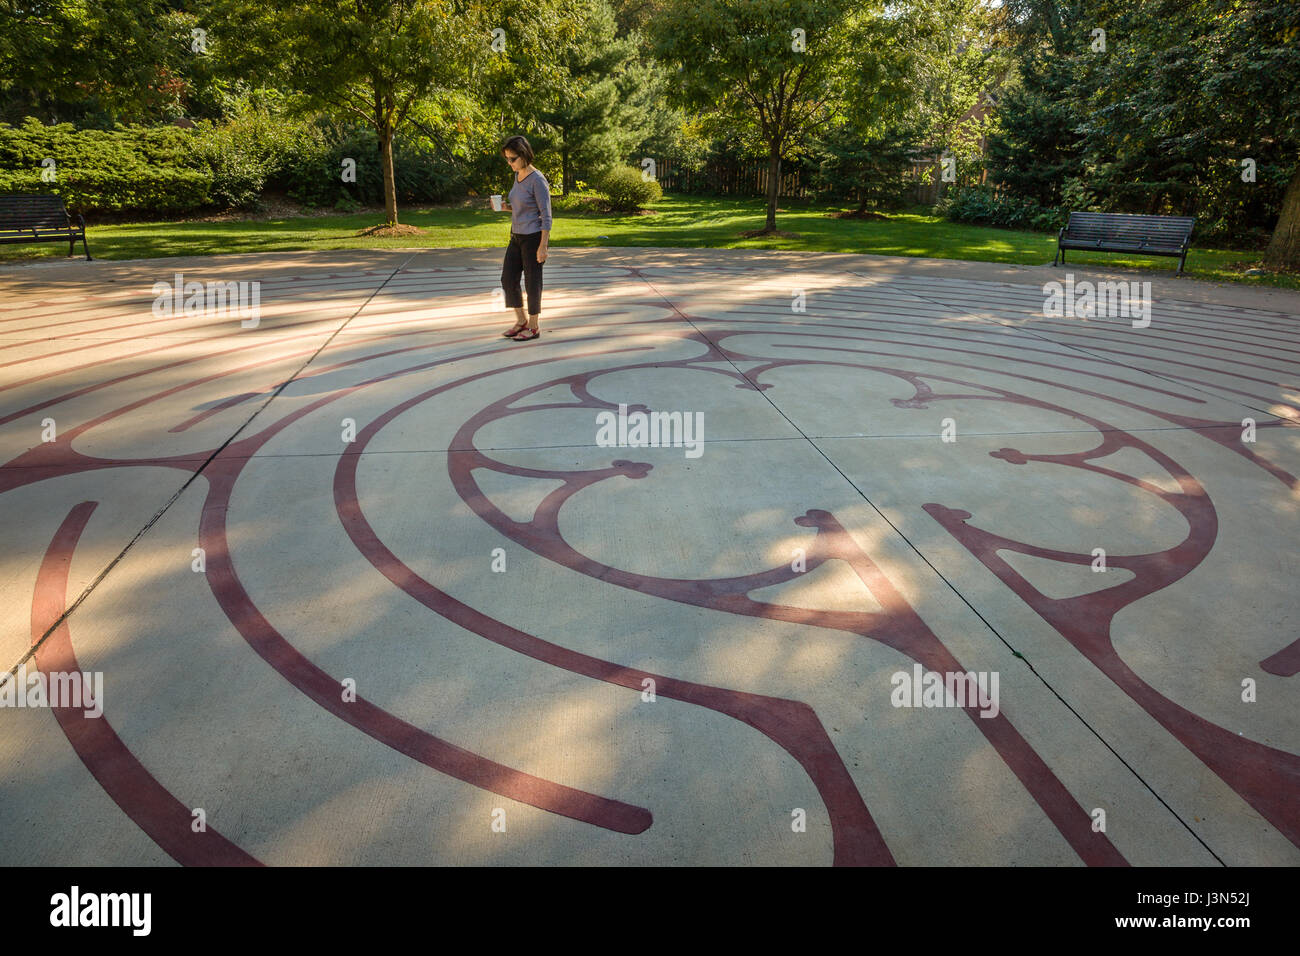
519 146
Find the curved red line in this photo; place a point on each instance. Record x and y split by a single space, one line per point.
1265 777
791 724
369 718
1285 663
150 806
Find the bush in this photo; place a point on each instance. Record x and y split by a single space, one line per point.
246 153
980 205
627 191
130 169
161 191
23 147
421 176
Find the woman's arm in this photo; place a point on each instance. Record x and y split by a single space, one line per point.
543 194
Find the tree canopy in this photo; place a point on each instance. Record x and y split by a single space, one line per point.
1178 106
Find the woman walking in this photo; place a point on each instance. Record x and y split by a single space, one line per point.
530 232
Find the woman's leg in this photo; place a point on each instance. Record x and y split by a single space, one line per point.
512 268
533 278
510 273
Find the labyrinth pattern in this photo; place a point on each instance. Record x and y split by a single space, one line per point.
365 587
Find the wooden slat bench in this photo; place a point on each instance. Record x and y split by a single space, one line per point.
40 217
1120 232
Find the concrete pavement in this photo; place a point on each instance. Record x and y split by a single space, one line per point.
935 577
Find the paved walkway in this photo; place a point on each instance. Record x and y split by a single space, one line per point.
751 558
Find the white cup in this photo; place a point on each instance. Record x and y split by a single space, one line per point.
496 203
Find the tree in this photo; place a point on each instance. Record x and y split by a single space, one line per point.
98 61
766 65
1256 66
376 59
917 72
1160 113
1035 148
594 120
1192 89
868 170
1046 25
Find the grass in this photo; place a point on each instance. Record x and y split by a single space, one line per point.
675 221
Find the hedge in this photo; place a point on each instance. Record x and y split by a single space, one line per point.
133 189
168 170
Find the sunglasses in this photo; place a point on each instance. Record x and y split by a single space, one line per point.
511 159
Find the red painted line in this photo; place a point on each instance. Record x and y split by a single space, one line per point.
166 820
763 711
1267 779
133 296
253 341
799 732
284 357
1225 434
1285 663
792 725
369 718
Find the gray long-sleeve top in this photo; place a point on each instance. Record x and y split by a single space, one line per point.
530 204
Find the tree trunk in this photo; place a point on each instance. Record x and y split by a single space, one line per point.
390 184
773 188
1284 248
564 172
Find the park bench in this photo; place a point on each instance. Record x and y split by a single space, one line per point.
1120 232
40 217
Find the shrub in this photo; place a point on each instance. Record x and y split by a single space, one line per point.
979 204
246 153
627 191
314 174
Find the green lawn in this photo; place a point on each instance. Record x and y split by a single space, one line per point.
686 221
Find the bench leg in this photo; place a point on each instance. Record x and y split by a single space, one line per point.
1181 260
1057 256
85 247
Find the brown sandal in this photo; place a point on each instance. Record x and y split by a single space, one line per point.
527 335
516 330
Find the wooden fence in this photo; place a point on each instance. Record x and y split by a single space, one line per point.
746 177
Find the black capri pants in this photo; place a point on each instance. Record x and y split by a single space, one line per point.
521 257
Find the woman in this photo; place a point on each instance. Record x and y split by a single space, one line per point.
530 232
